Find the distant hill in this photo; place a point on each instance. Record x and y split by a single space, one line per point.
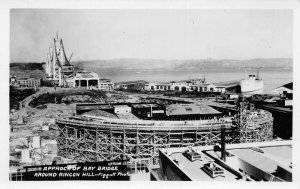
17 66
156 64
166 65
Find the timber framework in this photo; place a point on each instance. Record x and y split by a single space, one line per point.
99 139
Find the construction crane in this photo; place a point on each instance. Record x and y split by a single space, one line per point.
58 65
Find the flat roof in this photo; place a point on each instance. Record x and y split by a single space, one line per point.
266 156
281 154
189 109
267 161
256 159
86 75
194 171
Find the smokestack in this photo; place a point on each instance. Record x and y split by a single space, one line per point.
223 153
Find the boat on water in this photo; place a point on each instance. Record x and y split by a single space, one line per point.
252 85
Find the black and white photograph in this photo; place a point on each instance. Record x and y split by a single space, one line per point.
151 94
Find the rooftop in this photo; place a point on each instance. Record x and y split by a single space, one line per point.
86 75
263 156
194 169
188 109
281 154
288 86
255 158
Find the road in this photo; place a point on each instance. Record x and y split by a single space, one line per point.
25 103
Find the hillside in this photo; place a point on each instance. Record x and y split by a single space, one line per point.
166 65
155 64
18 66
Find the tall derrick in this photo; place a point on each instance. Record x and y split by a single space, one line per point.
58 66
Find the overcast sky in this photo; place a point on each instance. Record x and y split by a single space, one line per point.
154 34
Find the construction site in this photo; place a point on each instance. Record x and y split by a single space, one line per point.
98 138
79 119
60 72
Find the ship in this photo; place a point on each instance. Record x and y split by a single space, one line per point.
252 85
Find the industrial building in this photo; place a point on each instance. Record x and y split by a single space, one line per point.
263 161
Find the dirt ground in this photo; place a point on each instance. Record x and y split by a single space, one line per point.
41 114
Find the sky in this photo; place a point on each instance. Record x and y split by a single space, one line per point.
152 34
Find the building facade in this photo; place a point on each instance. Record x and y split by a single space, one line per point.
106 84
29 82
183 86
132 85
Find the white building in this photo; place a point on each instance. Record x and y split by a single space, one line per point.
86 79
29 82
106 84
158 87
184 86
122 109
